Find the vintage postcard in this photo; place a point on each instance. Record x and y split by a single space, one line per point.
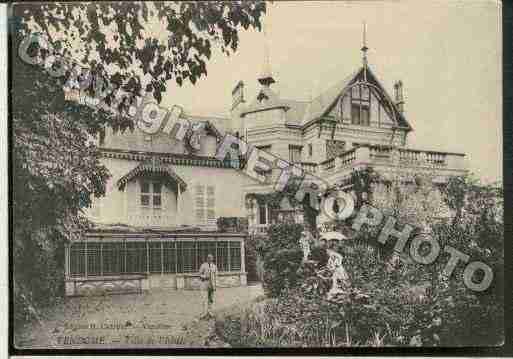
254 174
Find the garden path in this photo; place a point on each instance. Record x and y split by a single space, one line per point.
153 319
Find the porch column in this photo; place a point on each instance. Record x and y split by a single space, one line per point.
178 207
85 256
243 276
66 261
147 256
161 256
242 254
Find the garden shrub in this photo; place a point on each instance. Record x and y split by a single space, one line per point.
281 256
319 254
280 270
379 311
253 258
392 301
281 236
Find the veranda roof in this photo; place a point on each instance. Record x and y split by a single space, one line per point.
153 166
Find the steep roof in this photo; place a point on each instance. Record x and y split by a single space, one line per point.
317 107
323 103
303 112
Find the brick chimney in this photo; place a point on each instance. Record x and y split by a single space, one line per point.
237 94
399 99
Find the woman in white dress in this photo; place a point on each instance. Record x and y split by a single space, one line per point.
340 278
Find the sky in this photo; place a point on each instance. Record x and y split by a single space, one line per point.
447 54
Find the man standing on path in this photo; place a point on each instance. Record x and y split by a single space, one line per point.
208 272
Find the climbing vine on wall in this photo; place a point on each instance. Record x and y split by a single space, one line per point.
274 201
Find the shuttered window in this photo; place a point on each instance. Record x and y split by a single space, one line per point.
200 203
211 205
205 204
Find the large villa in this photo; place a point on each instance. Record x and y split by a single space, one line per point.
158 220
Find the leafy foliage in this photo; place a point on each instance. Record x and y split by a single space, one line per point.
56 170
394 301
281 256
55 163
280 270
141 44
281 236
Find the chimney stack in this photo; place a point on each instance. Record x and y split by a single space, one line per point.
237 94
399 99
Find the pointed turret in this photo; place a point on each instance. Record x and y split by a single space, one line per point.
364 51
266 78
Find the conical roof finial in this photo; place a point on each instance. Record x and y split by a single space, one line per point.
266 78
364 51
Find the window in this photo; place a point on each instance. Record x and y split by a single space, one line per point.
360 105
262 214
360 115
151 194
169 257
205 204
140 256
112 257
155 257
136 257
204 249
222 257
77 260
294 153
187 260
310 150
93 259
235 256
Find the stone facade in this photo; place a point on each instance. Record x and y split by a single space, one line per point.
352 125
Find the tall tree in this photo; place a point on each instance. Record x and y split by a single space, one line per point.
136 47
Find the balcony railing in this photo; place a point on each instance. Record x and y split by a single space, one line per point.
308 166
382 155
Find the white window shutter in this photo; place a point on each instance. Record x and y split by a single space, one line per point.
200 203
211 205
